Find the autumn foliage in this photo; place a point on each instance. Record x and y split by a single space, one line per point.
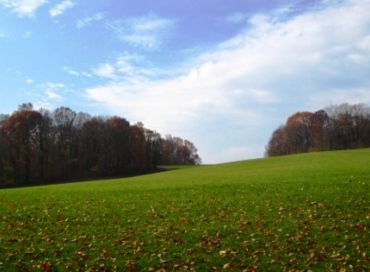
41 146
337 127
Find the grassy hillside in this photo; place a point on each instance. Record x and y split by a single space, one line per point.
300 212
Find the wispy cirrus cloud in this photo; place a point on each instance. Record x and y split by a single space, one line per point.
86 21
105 71
46 95
51 90
23 8
60 8
127 68
147 32
254 80
29 80
73 72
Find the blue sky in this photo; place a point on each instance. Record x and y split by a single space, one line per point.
223 74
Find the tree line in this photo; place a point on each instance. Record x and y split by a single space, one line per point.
41 146
336 127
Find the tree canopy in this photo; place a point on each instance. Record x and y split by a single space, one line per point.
336 127
41 146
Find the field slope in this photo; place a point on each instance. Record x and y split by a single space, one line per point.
296 213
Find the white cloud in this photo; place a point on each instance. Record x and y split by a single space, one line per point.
147 32
336 97
86 21
70 71
29 80
106 71
73 72
51 90
47 95
23 7
60 8
358 58
53 95
364 44
126 68
272 68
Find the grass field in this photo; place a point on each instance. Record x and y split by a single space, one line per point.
292 213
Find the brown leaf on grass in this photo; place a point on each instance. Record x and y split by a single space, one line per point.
176 266
292 262
216 242
222 253
105 252
183 219
253 268
29 250
45 267
130 265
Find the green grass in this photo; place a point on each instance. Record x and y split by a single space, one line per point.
176 167
292 213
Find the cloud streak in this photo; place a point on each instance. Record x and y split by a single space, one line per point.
86 21
147 32
75 73
60 8
23 8
105 71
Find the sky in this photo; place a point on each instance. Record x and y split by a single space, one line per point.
222 73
